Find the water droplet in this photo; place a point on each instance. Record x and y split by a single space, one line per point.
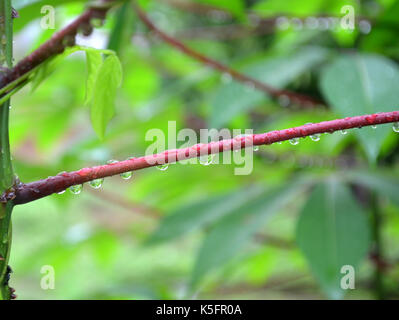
76 189
61 192
312 23
96 183
294 141
315 137
374 126
395 127
282 23
344 131
126 175
297 23
256 148
206 160
163 167
112 161
323 24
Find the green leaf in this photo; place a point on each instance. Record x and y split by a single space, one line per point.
44 70
104 246
363 84
235 230
199 214
94 61
384 183
102 108
235 98
332 232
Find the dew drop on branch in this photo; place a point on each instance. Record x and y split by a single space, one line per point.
96 183
256 148
76 189
315 137
294 141
126 175
374 126
163 167
344 131
395 127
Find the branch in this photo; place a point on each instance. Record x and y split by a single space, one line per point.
57 43
24 193
303 100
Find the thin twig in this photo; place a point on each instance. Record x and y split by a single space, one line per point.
296 98
24 193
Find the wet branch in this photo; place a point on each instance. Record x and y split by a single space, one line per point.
24 193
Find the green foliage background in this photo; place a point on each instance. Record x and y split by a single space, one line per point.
197 231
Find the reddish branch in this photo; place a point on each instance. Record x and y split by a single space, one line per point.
24 193
296 98
56 44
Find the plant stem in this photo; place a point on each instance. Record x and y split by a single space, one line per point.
6 172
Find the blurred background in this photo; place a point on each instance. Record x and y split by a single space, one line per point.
193 231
